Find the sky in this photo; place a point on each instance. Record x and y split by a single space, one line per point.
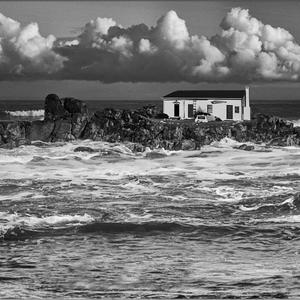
89 50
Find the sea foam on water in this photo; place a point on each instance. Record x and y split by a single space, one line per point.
173 217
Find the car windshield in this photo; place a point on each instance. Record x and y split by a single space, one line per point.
201 117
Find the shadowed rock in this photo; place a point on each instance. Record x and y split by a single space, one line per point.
85 149
74 106
62 131
41 131
54 109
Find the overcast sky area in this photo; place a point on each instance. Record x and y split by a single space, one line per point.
146 49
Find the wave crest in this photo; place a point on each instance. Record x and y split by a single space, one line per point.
26 113
16 225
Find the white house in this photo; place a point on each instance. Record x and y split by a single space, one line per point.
224 104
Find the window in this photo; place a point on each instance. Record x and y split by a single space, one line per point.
237 109
209 108
190 110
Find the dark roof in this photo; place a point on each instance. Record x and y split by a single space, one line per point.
207 94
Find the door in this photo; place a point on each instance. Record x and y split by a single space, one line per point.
190 110
176 110
229 112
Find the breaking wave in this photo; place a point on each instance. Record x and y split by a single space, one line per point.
26 113
296 122
18 226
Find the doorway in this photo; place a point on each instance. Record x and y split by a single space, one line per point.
176 110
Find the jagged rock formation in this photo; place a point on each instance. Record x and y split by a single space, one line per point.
68 119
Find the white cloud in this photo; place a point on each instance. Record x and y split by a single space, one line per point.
8 27
245 50
94 30
145 46
171 31
24 51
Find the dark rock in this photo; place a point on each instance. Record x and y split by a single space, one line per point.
54 109
135 147
39 144
62 131
79 122
162 116
84 149
41 131
155 155
74 106
278 141
188 145
13 134
149 111
245 147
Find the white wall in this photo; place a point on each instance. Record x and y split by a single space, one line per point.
219 109
169 108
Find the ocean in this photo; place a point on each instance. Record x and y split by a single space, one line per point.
217 223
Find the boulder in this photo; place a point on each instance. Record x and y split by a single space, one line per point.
79 122
54 109
40 131
15 134
84 149
149 111
188 145
135 147
246 147
74 106
62 131
14 130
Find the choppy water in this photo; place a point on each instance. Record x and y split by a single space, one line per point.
219 223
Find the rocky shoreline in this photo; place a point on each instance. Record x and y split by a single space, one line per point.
68 119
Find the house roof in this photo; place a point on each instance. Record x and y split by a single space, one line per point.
207 94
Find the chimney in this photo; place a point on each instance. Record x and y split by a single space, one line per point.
247 96
247 109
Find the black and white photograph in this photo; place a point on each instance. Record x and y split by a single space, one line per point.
150 149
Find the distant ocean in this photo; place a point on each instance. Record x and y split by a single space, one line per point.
216 223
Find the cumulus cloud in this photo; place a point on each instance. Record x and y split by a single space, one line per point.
245 50
24 52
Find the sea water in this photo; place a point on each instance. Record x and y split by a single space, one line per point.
216 223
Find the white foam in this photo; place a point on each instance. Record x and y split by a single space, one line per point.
60 163
284 219
26 113
8 221
226 143
296 122
229 194
256 207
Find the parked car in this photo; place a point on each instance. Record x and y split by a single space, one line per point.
201 119
206 117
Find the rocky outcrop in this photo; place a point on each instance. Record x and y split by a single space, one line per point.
67 119
41 130
54 109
